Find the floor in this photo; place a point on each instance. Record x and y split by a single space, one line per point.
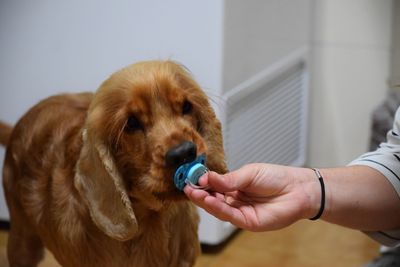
304 244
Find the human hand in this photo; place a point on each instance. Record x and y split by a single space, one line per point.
258 197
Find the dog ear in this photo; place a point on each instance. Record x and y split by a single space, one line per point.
102 188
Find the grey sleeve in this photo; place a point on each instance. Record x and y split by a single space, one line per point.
386 160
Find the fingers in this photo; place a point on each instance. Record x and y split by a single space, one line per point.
233 181
223 200
215 204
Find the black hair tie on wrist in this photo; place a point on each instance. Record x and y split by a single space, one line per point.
322 207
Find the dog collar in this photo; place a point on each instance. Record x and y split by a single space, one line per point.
190 173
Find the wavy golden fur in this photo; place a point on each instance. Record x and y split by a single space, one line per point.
85 175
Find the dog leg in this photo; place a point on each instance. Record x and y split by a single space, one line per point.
24 248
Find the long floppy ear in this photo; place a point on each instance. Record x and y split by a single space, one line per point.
101 187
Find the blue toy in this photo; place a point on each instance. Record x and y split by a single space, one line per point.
190 173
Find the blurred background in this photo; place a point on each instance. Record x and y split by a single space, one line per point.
293 81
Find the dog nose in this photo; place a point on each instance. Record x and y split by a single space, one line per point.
181 154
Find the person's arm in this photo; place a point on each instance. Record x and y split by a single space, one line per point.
360 197
261 197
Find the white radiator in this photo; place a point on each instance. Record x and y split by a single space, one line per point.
267 123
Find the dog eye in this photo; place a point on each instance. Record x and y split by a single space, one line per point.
186 107
133 124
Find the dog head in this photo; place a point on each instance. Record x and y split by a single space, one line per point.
144 121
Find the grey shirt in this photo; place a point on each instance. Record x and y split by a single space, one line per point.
386 160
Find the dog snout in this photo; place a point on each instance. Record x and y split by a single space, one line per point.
181 154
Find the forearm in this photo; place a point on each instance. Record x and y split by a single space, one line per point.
357 197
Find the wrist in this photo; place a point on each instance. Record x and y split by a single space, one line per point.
310 190
322 205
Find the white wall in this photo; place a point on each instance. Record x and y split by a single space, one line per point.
56 46
395 58
259 33
351 58
48 47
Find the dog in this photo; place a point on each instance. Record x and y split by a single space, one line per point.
90 175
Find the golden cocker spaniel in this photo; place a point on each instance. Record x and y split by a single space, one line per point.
90 176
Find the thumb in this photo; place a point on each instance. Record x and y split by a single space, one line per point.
233 181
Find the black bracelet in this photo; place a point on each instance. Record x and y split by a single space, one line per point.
322 207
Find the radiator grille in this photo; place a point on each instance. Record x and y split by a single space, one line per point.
267 125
